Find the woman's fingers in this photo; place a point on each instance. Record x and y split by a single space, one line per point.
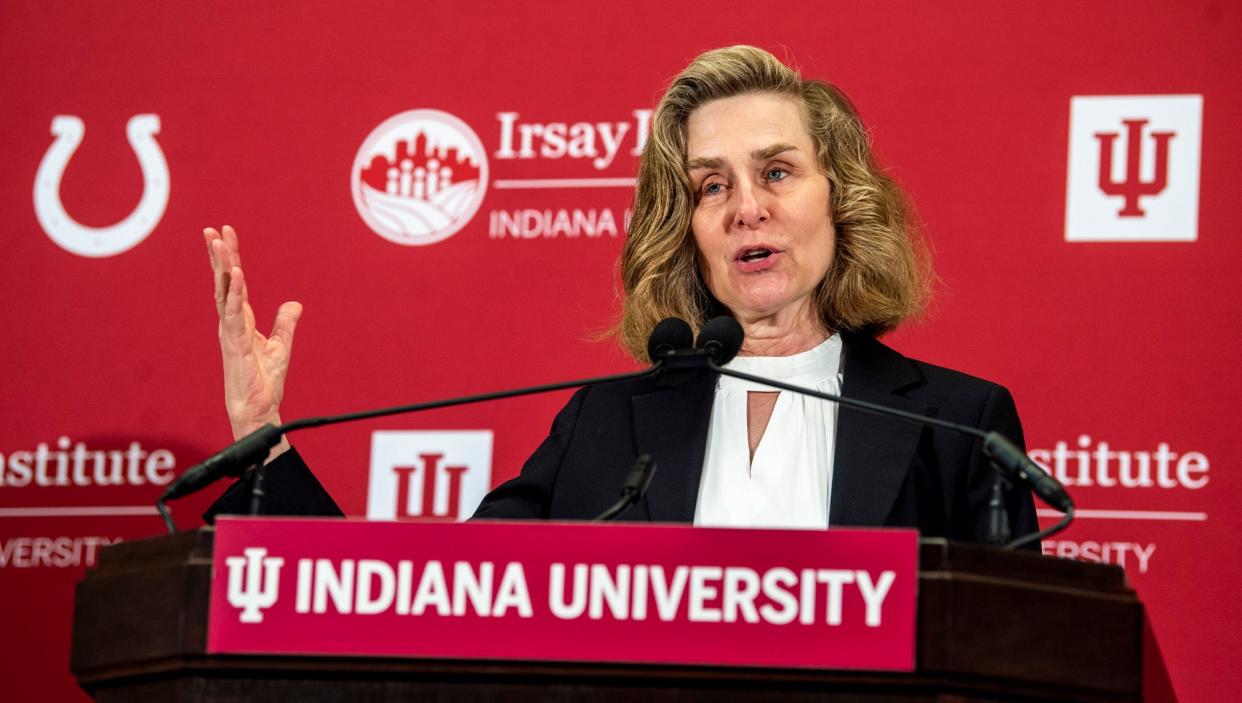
229 237
254 366
212 239
222 252
233 328
221 249
220 273
210 235
286 321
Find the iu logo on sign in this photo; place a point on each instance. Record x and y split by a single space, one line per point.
254 582
1134 168
428 475
419 177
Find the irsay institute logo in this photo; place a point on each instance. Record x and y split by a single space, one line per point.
419 177
1134 168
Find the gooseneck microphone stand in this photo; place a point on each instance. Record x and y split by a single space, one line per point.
669 349
250 452
995 446
721 339
636 485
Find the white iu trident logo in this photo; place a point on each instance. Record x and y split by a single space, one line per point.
254 582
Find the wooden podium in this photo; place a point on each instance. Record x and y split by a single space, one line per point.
992 626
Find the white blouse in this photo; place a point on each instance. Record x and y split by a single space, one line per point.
787 484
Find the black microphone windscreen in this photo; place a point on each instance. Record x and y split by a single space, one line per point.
722 336
670 335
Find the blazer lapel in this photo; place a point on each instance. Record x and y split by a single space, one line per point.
671 425
873 452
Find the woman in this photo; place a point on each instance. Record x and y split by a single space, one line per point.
757 196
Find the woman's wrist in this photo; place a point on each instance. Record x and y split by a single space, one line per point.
277 450
245 429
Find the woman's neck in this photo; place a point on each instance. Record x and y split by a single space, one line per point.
784 333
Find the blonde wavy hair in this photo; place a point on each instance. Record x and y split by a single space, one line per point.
880 274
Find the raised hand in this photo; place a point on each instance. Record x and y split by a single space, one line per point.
255 366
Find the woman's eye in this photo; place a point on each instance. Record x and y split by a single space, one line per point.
775 174
713 188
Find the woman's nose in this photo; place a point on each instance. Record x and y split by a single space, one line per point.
752 208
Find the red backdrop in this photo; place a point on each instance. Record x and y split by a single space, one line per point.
263 110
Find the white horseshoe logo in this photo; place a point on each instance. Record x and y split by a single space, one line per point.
124 235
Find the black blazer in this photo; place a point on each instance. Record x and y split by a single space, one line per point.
886 472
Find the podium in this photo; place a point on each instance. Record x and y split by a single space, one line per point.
991 626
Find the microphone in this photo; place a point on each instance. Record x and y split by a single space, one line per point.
636 485
1016 465
251 451
719 341
233 460
670 335
721 338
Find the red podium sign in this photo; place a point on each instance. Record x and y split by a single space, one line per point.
566 592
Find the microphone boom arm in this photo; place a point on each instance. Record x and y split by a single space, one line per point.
252 450
1005 456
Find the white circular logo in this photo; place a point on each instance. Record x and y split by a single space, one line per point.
419 177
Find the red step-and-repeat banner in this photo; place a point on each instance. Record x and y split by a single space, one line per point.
445 187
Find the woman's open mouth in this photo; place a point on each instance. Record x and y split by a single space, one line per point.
757 259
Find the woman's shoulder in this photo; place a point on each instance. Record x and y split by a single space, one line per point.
676 382
870 361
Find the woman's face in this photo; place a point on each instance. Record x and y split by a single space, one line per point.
761 220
